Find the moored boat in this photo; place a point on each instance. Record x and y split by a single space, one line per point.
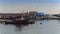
20 20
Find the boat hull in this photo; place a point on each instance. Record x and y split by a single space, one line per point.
20 22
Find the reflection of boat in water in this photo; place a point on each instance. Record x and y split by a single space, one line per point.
18 20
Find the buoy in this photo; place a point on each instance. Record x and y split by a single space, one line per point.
40 23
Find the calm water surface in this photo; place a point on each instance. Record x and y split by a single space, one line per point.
47 27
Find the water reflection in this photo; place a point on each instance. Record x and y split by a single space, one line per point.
19 27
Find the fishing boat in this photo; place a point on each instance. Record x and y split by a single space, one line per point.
18 20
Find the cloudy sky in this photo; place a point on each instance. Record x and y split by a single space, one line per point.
16 6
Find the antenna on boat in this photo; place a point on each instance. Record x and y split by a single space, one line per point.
22 11
27 11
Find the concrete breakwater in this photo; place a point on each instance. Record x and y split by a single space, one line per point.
48 18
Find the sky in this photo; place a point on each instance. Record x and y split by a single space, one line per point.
17 6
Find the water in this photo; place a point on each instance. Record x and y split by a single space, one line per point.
47 27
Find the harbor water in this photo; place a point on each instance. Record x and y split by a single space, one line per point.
46 27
